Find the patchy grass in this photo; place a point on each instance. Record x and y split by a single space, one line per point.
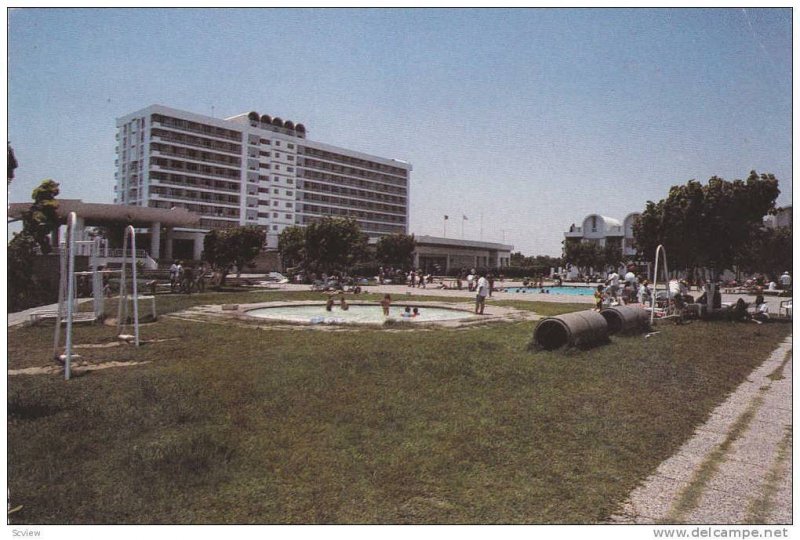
243 425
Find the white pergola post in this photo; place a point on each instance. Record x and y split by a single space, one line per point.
198 246
155 240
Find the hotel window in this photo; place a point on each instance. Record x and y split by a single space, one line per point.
277 143
288 216
274 227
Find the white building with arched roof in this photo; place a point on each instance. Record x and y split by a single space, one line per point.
604 230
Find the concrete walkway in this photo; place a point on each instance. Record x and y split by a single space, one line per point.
22 317
737 468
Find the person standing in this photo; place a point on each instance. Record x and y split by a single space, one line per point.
786 281
173 276
632 283
482 289
613 284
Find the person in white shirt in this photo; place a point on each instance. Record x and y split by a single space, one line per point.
632 283
482 289
786 281
644 295
613 283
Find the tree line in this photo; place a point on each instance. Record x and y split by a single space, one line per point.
705 229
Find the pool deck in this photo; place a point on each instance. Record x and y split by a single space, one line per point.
398 291
470 318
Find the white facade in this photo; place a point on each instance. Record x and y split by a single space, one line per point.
253 169
602 229
783 218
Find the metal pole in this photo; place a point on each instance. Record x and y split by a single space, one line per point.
135 294
70 290
122 295
62 287
659 249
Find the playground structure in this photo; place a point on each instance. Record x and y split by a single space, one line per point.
67 305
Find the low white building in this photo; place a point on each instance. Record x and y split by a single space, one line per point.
442 254
602 231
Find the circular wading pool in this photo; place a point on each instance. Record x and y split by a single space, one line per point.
357 314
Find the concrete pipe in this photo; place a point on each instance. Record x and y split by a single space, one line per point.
626 319
579 329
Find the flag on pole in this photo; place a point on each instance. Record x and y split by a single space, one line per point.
445 217
465 218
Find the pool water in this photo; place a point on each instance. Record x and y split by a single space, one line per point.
358 313
572 291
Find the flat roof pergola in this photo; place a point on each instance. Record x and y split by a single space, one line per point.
103 215
100 214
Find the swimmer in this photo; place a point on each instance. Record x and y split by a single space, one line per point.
385 303
329 304
415 312
406 312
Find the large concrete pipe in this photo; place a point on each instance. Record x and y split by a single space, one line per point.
579 329
626 319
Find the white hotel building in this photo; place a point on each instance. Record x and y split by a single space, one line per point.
250 169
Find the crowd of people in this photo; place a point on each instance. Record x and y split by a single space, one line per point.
186 279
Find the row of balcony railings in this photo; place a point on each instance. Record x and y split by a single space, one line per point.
223 160
358 214
195 142
194 127
315 187
339 158
185 197
373 184
355 203
194 184
167 165
363 173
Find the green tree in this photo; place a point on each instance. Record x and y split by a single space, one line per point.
768 251
706 226
612 253
22 284
584 255
291 245
333 244
41 218
396 250
224 248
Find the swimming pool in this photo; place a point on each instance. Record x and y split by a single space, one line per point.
357 314
572 291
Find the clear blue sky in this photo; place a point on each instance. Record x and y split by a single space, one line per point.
532 118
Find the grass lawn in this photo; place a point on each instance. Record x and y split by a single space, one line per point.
228 424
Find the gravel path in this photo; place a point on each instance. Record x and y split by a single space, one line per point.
737 468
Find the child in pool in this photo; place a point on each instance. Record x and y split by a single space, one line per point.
343 304
406 313
329 304
385 303
415 312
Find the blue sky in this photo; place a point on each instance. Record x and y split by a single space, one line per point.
530 118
